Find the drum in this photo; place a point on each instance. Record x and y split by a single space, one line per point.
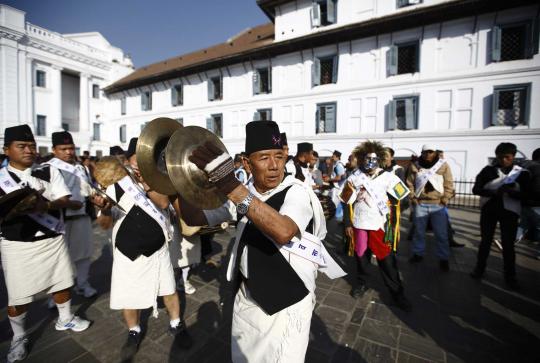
329 208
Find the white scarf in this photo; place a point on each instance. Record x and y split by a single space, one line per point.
510 204
46 220
428 175
365 181
67 167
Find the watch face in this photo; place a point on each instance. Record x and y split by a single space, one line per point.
242 208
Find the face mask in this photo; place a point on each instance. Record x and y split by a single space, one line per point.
371 162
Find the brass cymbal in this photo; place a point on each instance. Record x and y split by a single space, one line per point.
150 151
191 182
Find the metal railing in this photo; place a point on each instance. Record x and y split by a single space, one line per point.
464 197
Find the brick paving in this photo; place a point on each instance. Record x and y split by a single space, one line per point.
454 318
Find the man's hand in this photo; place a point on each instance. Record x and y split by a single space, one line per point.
217 164
349 232
41 206
74 205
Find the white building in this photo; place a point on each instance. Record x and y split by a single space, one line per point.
54 81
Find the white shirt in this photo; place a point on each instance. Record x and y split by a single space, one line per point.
79 190
366 213
52 190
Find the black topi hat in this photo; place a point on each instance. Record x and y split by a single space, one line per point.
262 135
18 133
62 138
132 148
304 147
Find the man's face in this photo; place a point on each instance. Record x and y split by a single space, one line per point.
505 160
334 158
428 155
65 152
267 167
22 153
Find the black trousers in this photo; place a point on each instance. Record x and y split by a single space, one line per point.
491 214
389 272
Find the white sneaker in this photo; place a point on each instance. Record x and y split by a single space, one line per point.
76 324
189 288
87 291
17 350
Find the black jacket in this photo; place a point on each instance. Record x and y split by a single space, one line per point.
532 192
490 173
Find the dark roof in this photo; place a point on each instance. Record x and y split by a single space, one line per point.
258 42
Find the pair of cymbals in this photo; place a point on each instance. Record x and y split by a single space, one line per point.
163 149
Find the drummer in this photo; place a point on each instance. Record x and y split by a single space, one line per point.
35 257
142 268
277 279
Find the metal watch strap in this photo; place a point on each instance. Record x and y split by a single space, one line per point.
246 202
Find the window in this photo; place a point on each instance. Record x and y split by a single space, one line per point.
123 106
95 91
122 133
402 113
97 132
324 70
65 126
513 41
404 3
511 105
146 101
41 127
323 12
263 114
262 80
180 120
403 58
326 118
215 124
41 79
43 150
215 88
177 95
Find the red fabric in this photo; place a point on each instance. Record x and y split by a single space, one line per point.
376 244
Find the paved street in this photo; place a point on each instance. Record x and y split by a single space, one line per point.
454 318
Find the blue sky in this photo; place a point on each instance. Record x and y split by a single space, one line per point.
148 30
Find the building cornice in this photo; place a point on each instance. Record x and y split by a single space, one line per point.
409 19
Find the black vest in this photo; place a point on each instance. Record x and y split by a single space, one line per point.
139 233
272 281
23 228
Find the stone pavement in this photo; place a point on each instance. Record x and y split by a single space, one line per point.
454 318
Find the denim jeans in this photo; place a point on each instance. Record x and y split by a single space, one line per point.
530 222
438 217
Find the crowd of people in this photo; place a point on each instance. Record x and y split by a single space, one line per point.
279 204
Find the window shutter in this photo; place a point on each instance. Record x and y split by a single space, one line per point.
174 96
330 116
391 60
256 82
410 114
149 102
210 124
221 87
316 72
143 101
495 108
270 79
391 115
496 34
330 11
315 15
335 61
257 116
317 119
535 36
210 90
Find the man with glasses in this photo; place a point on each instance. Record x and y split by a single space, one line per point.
431 184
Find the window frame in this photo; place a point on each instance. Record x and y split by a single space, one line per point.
122 133
405 3
392 57
530 41
210 124
177 95
318 116
320 18
95 91
123 105
41 81
96 125
391 117
527 87
146 105
316 70
212 88
257 83
41 130
257 116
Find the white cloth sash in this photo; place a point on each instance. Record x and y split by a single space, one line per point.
510 204
311 248
67 167
365 181
422 179
46 220
141 200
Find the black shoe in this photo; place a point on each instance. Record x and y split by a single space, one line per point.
358 291
182 339
416 259
512 284
443 264
454 244
476 274
403 303
131 346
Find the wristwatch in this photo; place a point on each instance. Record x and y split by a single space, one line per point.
243 206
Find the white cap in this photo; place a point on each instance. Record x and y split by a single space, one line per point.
427 147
